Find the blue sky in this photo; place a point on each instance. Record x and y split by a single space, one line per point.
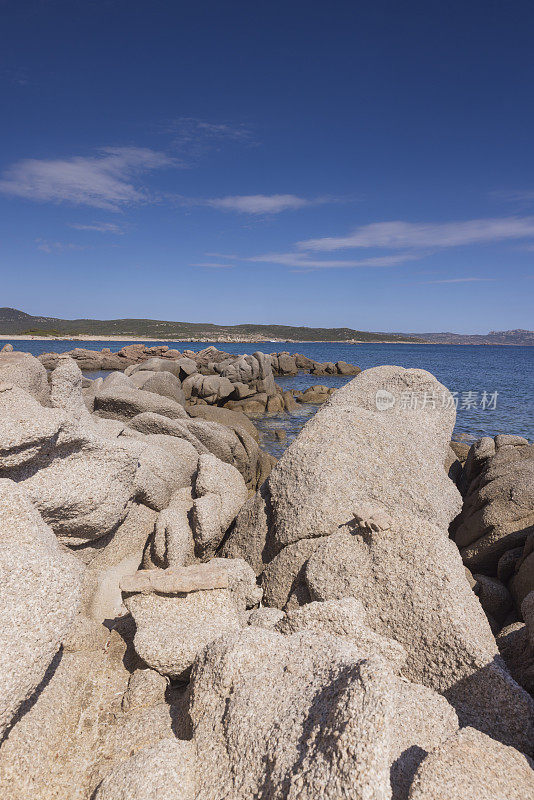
360 164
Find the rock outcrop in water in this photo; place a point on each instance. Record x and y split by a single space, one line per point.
183 621
208 377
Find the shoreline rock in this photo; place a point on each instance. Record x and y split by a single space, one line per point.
184 618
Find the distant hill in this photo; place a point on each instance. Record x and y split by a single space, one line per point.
15 322
517 336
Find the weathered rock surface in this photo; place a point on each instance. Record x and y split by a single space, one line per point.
172 630
220 492
472 766
81 482
522 581
165 464
177 580
66 390
234 447
212 388
74 730
164 771
26 372
305 716
109 561
41 587
124 403
518 653
225 416
346 618
439 621
172 544
498 510
241 581
160 382
350 452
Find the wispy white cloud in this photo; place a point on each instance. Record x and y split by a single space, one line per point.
461 280
213 266
57 247
424 235
99 227
518 197
107 180
191 129
303 262
193 138
260 204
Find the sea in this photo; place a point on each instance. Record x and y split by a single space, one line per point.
493 386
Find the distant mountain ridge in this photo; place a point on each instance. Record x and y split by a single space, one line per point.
16 322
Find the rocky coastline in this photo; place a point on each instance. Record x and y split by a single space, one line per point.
184 618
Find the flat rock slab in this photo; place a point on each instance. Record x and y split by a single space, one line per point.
176 580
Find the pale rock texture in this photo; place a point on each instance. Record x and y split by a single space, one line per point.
522 581
156 365
172 630
251 538
66 390
224 416
211 388
116 380
165 464
234 447
241 582
163 383
346 618
26 372
305 716
220 492
123 403
80 482
265 617
350 453
75 730
498 510
412 583
283 580
27 430
518 653
472 766
146 687
164 771
40 591
121 556
177 580
173 544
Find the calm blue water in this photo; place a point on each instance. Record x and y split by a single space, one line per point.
509 371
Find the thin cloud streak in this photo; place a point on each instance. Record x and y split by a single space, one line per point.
213 266
303 262
194 138
424 235
99 227
260 204
104 181
57 247
460 280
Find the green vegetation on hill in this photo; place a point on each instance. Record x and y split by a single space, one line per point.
13 321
